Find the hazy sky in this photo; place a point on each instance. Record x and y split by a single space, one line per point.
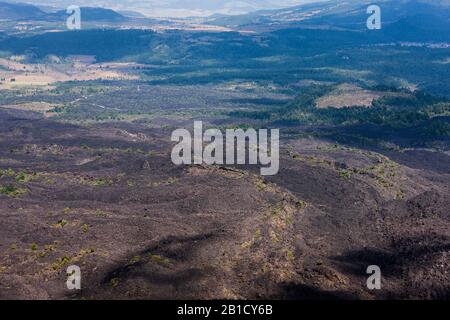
161 8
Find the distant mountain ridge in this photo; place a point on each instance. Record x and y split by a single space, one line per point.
16 11
95 14
340 14
19 11
174 8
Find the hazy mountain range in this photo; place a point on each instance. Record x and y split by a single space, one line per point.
175 8
420 18
20 11
428 14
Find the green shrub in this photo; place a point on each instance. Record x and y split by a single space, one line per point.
12 191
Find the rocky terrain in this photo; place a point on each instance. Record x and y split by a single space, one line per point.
109 199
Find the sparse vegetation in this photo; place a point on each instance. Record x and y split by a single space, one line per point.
134 260
24 177
345 174
12 191
290 255
114 282
60 263
158 259
61 223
